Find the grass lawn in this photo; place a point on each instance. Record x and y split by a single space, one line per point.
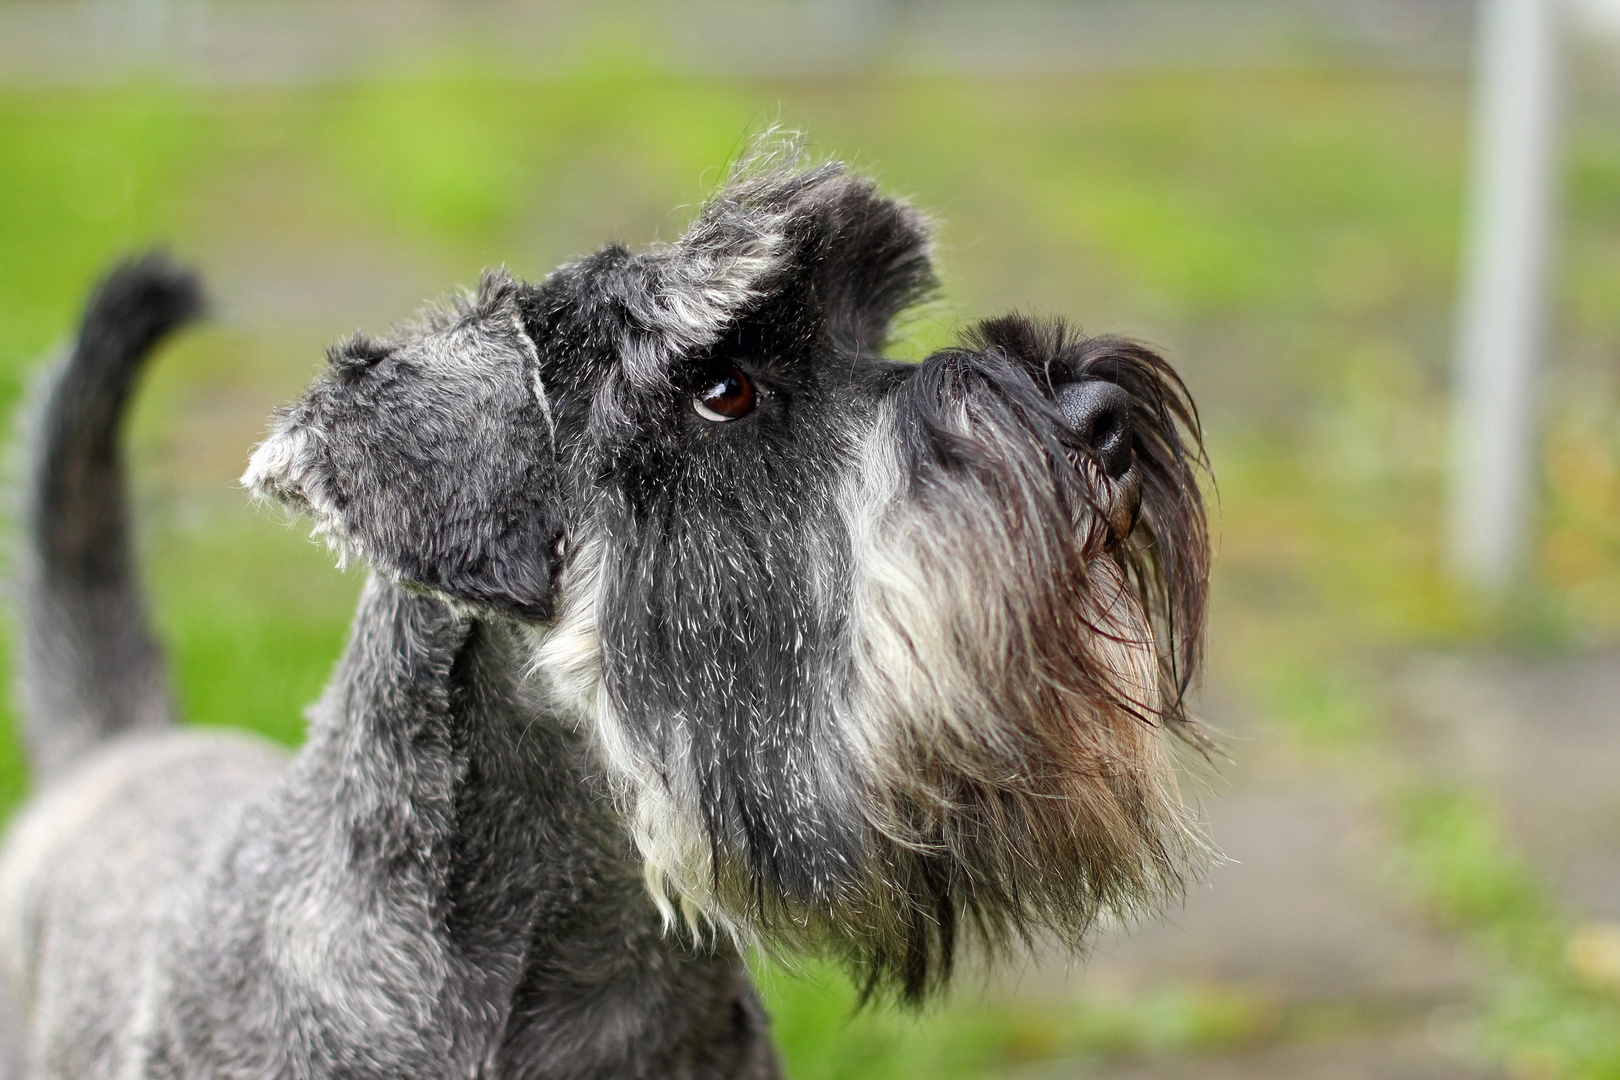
1288 237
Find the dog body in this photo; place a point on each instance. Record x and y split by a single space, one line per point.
693 623
352 913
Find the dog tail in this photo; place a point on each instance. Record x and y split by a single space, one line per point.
88 665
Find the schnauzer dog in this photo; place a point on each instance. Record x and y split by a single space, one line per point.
694 624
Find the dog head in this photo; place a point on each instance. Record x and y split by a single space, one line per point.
876 654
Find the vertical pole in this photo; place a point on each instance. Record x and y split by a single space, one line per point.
1503 303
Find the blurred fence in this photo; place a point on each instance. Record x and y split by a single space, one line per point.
248 41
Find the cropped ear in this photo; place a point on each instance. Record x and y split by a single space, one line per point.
853 257
816 239
868 259
430 456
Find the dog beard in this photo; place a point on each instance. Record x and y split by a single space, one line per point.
946 715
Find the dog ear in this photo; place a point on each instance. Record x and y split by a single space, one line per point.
430 456
778 236
853 257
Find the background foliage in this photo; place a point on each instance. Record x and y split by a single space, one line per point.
1287 236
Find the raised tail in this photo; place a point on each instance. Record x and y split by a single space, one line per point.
89 667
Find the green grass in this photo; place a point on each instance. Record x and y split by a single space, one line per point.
1289 237
1543 1020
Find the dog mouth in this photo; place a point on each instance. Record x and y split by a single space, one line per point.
1109 507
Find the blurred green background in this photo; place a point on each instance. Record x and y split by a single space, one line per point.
1285 226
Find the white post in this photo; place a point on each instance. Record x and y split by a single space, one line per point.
1503 303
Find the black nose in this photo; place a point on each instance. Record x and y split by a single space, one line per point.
1100 412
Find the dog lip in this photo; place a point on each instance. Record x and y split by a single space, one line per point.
1115 506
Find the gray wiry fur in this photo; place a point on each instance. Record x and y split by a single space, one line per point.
688 611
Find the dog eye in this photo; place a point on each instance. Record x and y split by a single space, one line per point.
725 394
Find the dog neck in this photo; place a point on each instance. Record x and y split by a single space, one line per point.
441 870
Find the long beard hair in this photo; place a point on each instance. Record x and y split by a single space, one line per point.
1025 631
939 712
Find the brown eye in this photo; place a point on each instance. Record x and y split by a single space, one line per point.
725 394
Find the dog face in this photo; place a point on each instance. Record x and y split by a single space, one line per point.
874 653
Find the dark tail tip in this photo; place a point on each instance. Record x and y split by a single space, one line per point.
139 302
